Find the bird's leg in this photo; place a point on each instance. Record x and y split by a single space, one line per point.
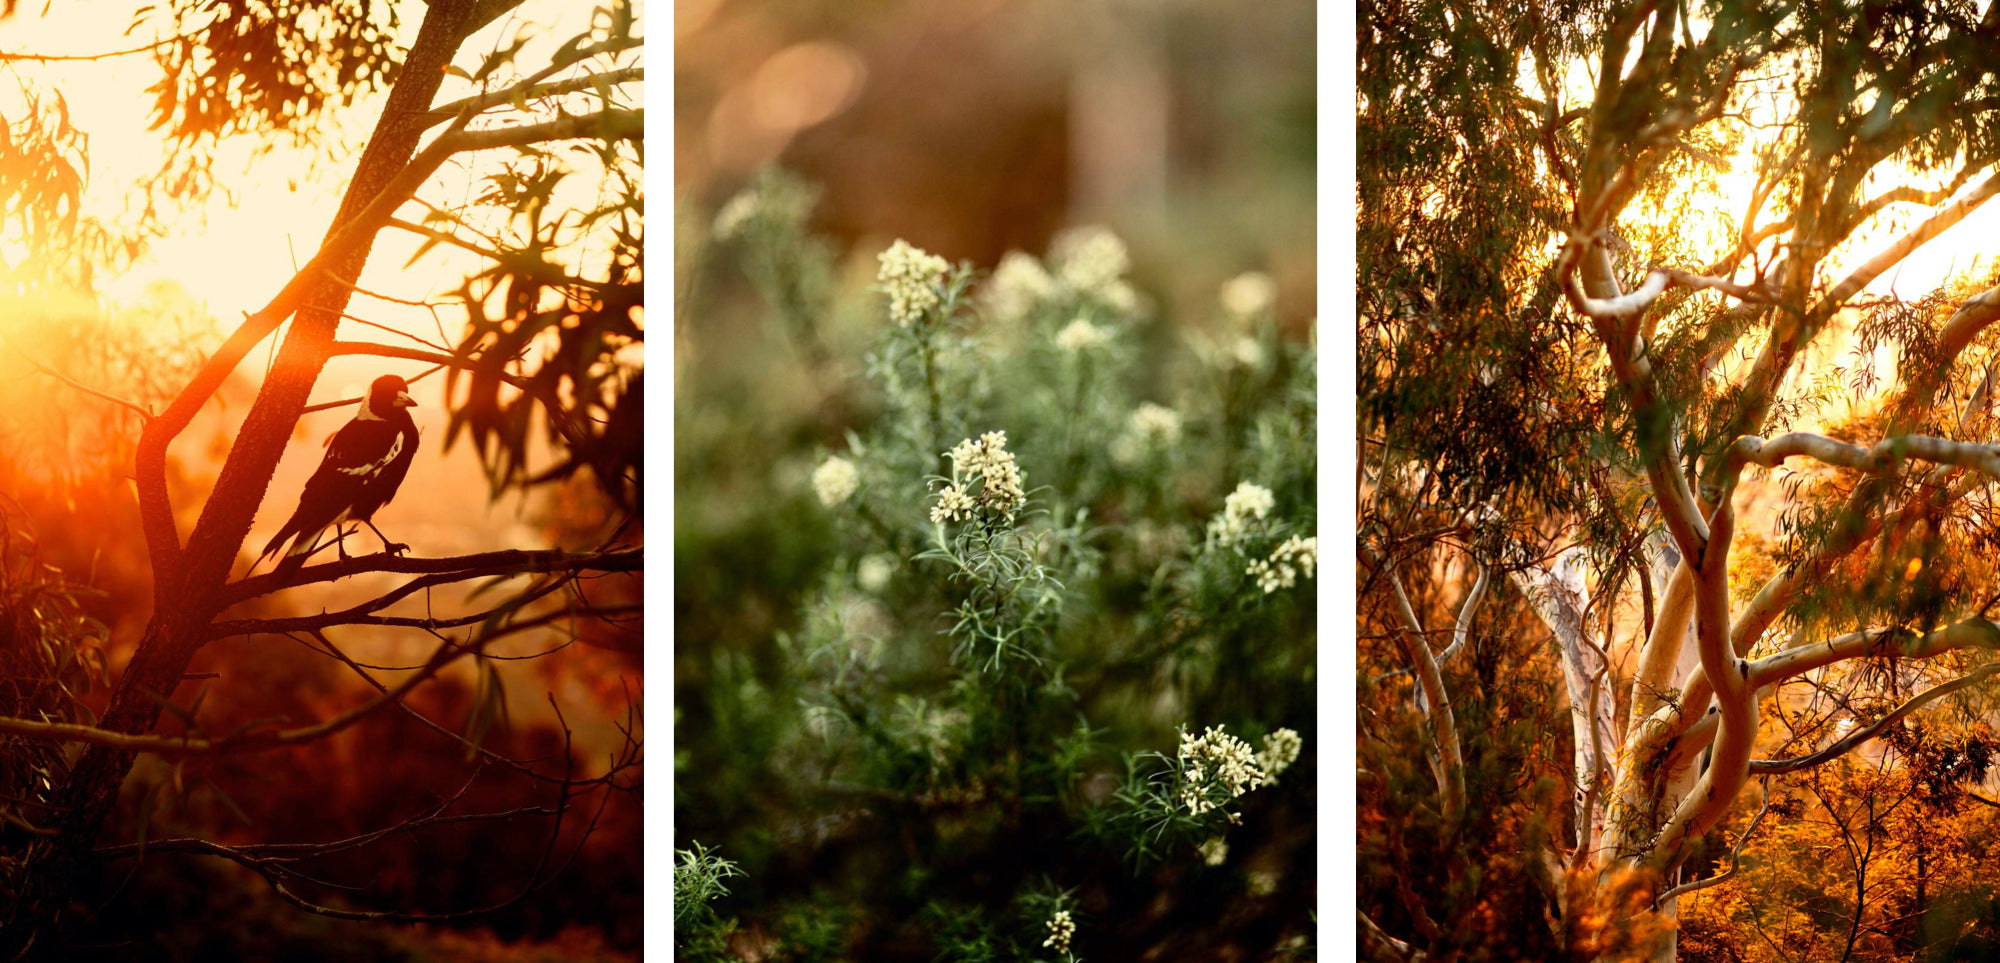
393 548
340 541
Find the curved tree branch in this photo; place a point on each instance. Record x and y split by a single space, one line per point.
1862 735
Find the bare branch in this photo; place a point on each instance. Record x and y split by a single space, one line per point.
364 613
231 742
445 237
1862 735
1394 945
533 91
140 410
63 58
610 124
1462 631
1658 280
458 567
629 752
1967 322
1936 224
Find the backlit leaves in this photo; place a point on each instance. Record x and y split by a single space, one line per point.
269 65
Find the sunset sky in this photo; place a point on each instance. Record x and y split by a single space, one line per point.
233 258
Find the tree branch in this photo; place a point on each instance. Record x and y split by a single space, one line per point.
1658 280
143 413
1444 729
532 91
62 58
1880 457
458 567
1735 857
1936 224
1970 634
1860 736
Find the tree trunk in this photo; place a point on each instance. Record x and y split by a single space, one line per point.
187 597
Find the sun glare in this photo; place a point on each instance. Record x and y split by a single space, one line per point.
234 251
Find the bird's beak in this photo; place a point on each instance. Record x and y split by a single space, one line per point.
403 400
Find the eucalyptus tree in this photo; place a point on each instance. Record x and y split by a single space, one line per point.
553 324
1618 265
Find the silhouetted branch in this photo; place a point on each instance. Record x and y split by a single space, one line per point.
534 91
238 741
143 413
274 861
107 55
629 752
458 567
572 435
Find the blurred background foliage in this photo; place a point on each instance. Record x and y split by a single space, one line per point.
808 641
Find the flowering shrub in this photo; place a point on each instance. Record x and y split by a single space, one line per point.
931 684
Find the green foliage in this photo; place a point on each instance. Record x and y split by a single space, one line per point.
700 934
926 611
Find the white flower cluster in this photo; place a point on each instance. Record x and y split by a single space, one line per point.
834 480
1091 262
1061 928
1083 262
1090 259
1214 851
1018 283
953 505
1292 557
910 276
873 572
1249 502
1081 335
1248 295
1216 758
987 461
1245 352
1281 749
1150 428
1156 424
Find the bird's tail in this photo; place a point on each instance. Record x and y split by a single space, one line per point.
302 544
271 547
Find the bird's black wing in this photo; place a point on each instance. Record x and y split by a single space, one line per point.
357 454
381 484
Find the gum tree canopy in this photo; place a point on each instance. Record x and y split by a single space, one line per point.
1650 438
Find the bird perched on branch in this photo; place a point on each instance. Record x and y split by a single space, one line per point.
365 463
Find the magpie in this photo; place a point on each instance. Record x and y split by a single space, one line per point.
365 463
